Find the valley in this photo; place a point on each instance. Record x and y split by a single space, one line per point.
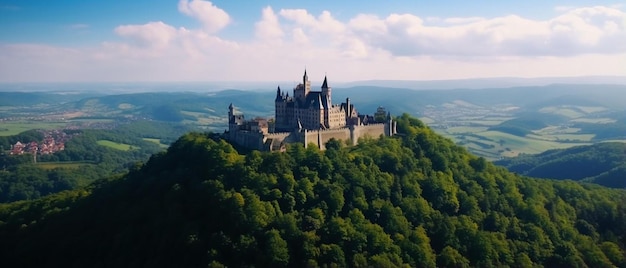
494 123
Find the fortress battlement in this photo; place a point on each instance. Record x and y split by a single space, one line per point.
325 130
277 134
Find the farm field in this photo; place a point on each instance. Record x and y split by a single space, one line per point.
157 141
550 127
16 127
116 145
68 165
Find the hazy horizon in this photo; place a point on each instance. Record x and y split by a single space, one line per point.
214 86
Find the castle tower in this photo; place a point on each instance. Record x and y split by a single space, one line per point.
279 96
326 91
231 112
302 90
306 83
232 123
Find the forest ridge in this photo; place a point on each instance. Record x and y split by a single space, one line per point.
416 200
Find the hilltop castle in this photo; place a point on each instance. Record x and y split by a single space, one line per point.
307 117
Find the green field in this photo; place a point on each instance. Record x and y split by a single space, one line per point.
16 127
465 130
594 120
567 112
157 141
203 119
68 165
496 144
116 145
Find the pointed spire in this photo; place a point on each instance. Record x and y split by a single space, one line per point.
305 77
325 84
278 94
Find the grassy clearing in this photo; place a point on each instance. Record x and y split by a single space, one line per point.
486 123
462 130
516 145
494 144
125 106
594 120
624 141
116 145
574 137
17 127
567 112
157 141
427 120
553 130
592 109
68 165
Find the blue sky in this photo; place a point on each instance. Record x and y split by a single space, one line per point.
195 40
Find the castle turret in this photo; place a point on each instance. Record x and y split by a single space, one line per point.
231 112
279 96
302 90
326 90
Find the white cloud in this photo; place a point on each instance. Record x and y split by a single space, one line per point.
578 31
212 18
579 41
149 35
268 27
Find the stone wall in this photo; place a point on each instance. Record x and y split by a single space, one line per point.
319 138
373 131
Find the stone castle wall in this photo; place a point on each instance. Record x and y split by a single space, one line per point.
373 131
352 134
319 138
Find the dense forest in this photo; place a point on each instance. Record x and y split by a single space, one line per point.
601 163
415 200
83 160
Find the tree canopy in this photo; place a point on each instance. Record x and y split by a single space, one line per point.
416 200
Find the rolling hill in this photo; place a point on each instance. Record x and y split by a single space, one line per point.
602 163
416 200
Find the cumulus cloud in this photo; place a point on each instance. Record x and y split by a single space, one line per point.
212 18
576 41
577 31
150 35
269 27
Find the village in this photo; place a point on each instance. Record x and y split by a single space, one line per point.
54 141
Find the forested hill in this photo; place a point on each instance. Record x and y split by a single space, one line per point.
416 201
601 163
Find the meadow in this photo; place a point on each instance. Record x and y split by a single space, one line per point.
68 165
116 145
10 128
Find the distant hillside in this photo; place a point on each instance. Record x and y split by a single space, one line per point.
527 122
415 200
36 98
602 163
500 82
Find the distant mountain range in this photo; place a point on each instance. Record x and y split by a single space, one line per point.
496 82
213 86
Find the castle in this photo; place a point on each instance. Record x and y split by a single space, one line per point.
307 117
